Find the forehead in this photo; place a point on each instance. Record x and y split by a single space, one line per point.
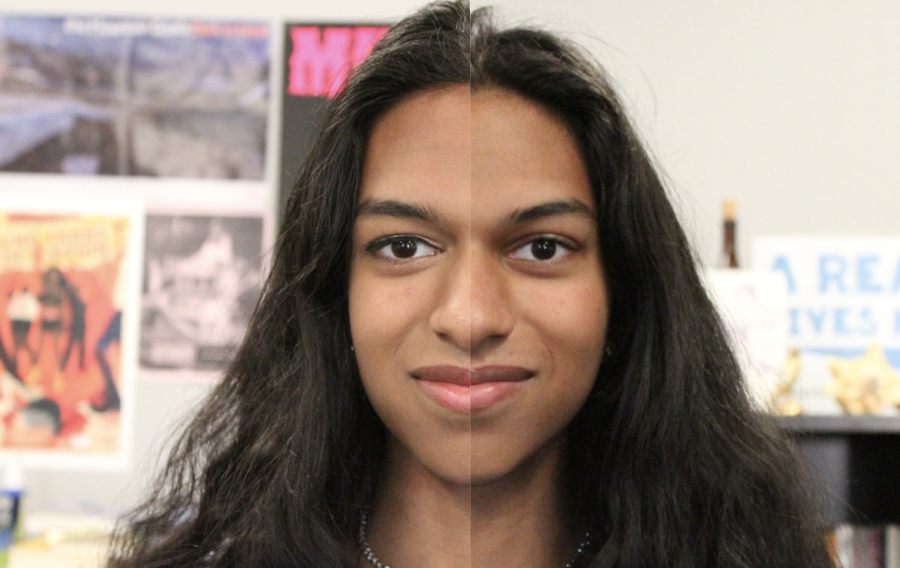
522 152
474 152
422 147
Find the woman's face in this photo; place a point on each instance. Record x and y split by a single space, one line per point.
477 300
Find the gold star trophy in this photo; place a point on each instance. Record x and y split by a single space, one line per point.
783 400
866 385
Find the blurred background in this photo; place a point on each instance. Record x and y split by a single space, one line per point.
787 109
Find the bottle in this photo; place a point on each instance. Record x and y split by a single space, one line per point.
10 508
729 240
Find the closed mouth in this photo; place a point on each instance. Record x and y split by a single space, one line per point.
467 377
465 390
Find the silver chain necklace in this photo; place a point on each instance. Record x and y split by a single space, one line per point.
369 554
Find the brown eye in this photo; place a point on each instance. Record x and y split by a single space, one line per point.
543 249
404 248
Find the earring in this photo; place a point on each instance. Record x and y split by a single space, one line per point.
352 348
607 350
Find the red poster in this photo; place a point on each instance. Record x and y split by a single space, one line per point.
64 289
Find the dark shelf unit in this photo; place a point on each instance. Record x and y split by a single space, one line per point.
857 460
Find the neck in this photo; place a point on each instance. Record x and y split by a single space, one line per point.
519 520
419 520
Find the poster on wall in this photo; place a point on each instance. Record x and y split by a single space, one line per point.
68 289
843 299
753 307
203 274
133 97
317 60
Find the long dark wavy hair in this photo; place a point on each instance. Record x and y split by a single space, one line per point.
669 464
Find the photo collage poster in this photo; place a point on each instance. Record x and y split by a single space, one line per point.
68 333
133 97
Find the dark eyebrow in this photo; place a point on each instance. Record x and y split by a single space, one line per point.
551 208
391 208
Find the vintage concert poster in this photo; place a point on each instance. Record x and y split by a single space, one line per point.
68 285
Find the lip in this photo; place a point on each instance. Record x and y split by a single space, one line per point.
464 390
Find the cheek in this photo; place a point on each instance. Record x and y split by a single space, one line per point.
572 322
380 312
384 316
574 318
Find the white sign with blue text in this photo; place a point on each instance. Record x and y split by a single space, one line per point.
843 296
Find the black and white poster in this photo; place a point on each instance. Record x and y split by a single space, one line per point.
202 278
133 97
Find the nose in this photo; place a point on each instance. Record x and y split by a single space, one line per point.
473 313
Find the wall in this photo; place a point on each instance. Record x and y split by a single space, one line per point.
787 108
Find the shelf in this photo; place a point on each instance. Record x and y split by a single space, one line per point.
838 425
856 460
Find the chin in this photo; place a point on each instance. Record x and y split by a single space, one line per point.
486 478
457 475
454 470
508 461
466 465
486 472
449 462
469 478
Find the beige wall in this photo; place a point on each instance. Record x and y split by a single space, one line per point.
788 107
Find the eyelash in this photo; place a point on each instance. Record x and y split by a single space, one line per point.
375 247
